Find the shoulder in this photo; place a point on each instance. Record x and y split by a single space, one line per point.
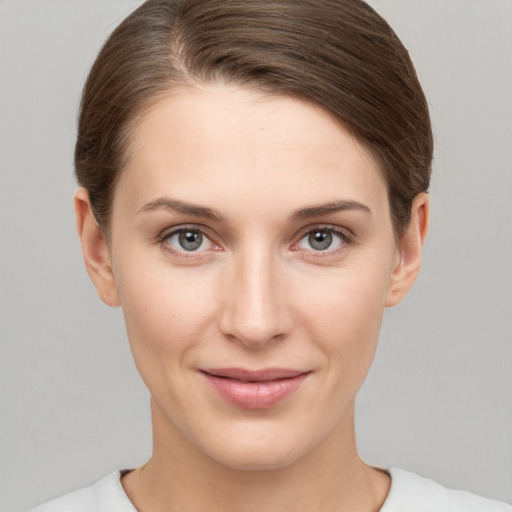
106 495
78 501
412 493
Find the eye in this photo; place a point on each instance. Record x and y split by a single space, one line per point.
188 240
321 240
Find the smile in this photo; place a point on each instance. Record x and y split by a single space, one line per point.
260 389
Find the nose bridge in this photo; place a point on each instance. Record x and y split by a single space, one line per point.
255 311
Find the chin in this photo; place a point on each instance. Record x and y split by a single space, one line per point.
265 450
261 459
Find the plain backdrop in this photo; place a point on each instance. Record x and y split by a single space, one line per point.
438 398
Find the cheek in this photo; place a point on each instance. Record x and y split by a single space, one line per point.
166 312
345 315
350 326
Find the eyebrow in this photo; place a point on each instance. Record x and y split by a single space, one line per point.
166 203
204 212
328 209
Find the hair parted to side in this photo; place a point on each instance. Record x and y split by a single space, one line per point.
339 54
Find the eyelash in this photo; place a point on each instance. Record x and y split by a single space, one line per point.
346 239
163 238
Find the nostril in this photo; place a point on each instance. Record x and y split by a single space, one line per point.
254 312
252 333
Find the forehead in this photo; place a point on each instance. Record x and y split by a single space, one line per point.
211 143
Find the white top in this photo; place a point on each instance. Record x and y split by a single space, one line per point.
409 493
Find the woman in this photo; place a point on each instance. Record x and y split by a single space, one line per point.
253 194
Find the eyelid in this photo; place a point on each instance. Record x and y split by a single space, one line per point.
167 233
344 233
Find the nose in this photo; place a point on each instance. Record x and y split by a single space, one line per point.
255 306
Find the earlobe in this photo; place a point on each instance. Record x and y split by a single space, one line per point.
410 249
95 250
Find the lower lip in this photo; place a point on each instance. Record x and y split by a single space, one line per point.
255 395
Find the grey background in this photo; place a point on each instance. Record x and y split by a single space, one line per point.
438 399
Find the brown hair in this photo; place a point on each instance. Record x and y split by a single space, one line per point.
339 54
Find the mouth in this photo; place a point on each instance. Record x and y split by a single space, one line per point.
255 389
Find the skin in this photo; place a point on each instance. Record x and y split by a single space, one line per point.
256 294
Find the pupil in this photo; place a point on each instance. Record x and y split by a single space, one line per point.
320 240
190 240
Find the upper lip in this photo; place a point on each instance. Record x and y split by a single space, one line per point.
263 375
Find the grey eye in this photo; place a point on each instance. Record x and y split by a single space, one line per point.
189 240
320 240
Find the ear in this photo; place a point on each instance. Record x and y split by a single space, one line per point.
410 247
95 250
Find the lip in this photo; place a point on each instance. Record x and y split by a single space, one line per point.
254 389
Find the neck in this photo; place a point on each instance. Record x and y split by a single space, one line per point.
181 477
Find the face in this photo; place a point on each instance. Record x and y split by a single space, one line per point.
253 254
